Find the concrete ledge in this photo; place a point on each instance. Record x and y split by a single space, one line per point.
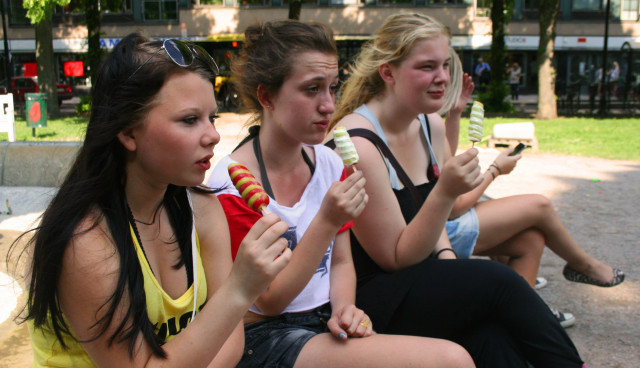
37 164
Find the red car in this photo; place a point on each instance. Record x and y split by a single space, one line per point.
22 85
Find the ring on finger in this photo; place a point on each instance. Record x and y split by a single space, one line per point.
365 323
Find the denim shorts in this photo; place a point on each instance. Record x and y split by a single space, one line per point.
277 341
463 233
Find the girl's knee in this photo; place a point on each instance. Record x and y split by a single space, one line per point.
531 243
543 203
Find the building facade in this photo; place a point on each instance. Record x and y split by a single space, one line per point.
218 26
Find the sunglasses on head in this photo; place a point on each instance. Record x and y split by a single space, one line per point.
183 54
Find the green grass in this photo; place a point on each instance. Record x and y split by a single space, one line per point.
615 139
69 129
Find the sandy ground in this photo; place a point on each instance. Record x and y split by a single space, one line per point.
598 200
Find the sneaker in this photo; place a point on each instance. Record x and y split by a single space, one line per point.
540 283
565 319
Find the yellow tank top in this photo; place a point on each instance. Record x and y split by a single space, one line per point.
169 316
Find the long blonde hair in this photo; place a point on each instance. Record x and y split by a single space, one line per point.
392 44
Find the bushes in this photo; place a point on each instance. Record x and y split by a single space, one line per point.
495 98
83 108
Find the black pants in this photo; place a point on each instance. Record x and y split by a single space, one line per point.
482 305
515 89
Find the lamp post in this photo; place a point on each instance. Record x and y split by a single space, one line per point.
7 55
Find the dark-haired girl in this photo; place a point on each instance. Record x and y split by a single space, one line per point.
130 266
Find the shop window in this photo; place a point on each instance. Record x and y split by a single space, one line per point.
17 13
483 8
629 10
160 10
588 5
344 2
531 4
209 2
29 69
73 69
304 2
445 2
254 2
395 2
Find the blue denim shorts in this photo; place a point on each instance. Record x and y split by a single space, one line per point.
463 233
277 341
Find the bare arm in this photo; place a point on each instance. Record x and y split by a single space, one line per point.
467 200
454 115
443 248
346 317
388 239
91 269
344 201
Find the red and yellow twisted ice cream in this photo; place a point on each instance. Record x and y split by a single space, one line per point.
250 189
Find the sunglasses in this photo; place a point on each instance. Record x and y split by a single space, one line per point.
183 54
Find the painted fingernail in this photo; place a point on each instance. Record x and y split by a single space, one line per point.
342 335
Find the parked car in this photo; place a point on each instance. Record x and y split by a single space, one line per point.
22 85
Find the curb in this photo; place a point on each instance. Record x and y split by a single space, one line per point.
36 164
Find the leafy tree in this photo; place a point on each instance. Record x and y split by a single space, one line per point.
39 12
495 98
547 105
94 21
92 11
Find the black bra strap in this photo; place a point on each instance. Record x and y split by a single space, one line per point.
433 173
263 171
385 152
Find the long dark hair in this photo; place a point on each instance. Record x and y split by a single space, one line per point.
94 188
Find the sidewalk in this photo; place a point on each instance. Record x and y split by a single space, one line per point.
598 200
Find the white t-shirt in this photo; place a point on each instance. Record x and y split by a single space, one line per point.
328 169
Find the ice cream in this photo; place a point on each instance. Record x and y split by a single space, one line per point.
250 189
345 146
475 122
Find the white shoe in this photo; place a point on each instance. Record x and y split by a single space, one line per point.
540 283
565 319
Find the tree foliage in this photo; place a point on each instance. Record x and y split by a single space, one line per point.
37 10
495 97
39 13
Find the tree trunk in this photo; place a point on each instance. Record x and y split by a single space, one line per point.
495 99
47 78
498 46
294 9
547 102
94 53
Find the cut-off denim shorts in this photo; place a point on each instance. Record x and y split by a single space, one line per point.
463 233
277 341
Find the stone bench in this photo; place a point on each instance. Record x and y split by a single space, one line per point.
513 133
38 164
